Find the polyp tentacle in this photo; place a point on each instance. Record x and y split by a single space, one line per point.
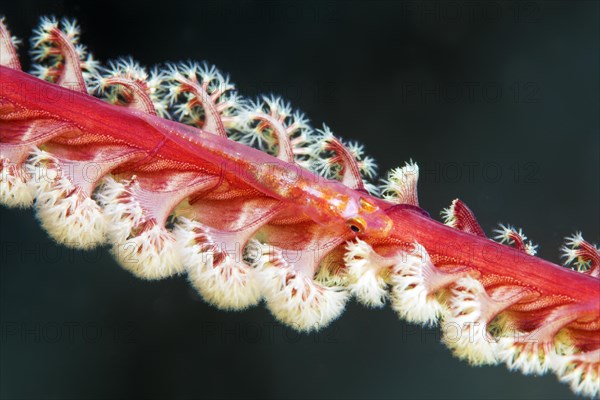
582 255
202 86
533 351
470 310
270 124
68 58
126 83
367 273
19 138
581 371
459 216
516 237
400 187
8 51
63 189
212 236
137 211
287 268
342 164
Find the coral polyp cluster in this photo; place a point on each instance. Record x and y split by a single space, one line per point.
180 175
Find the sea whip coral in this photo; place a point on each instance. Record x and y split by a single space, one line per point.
231 196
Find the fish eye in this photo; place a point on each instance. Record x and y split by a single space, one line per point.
356 224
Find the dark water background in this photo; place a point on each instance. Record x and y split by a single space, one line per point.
498 102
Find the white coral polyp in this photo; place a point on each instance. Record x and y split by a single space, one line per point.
465 323
152 254
401 184
222 280
366 275
121 209
14 190
295 299
67 213
410 293
140 245
75 220
328 276
530 356
581 372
